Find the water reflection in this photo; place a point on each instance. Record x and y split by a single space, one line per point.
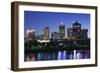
60 55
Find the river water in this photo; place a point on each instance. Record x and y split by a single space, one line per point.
60 55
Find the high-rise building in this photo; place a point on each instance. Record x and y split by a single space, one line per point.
61 31
54 35
69 33
76 30
31 34
84 33
46 33
40 37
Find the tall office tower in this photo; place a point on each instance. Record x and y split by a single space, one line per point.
46 33
76 30
61 31
31 34
84 33
54 35
69 33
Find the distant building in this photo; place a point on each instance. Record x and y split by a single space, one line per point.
76 32
61 31
84 33
69 33
31 34
46 33
40 37
54 35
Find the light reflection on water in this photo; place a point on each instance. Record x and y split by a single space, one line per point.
60 55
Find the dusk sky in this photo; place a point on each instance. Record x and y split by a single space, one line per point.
39 20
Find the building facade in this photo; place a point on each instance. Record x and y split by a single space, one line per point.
69 33
76 32
84 33
61 31
31 34
54 35
46 33
40 37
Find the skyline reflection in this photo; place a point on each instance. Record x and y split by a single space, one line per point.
60 55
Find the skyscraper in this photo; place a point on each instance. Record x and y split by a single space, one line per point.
31 34
69 33
61 31
76 30
46 33
54 35
84 33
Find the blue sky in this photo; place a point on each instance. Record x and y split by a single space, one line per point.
39 20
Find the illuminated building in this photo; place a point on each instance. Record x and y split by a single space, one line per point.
61 31
46 33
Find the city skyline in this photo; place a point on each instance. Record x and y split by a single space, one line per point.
39 20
